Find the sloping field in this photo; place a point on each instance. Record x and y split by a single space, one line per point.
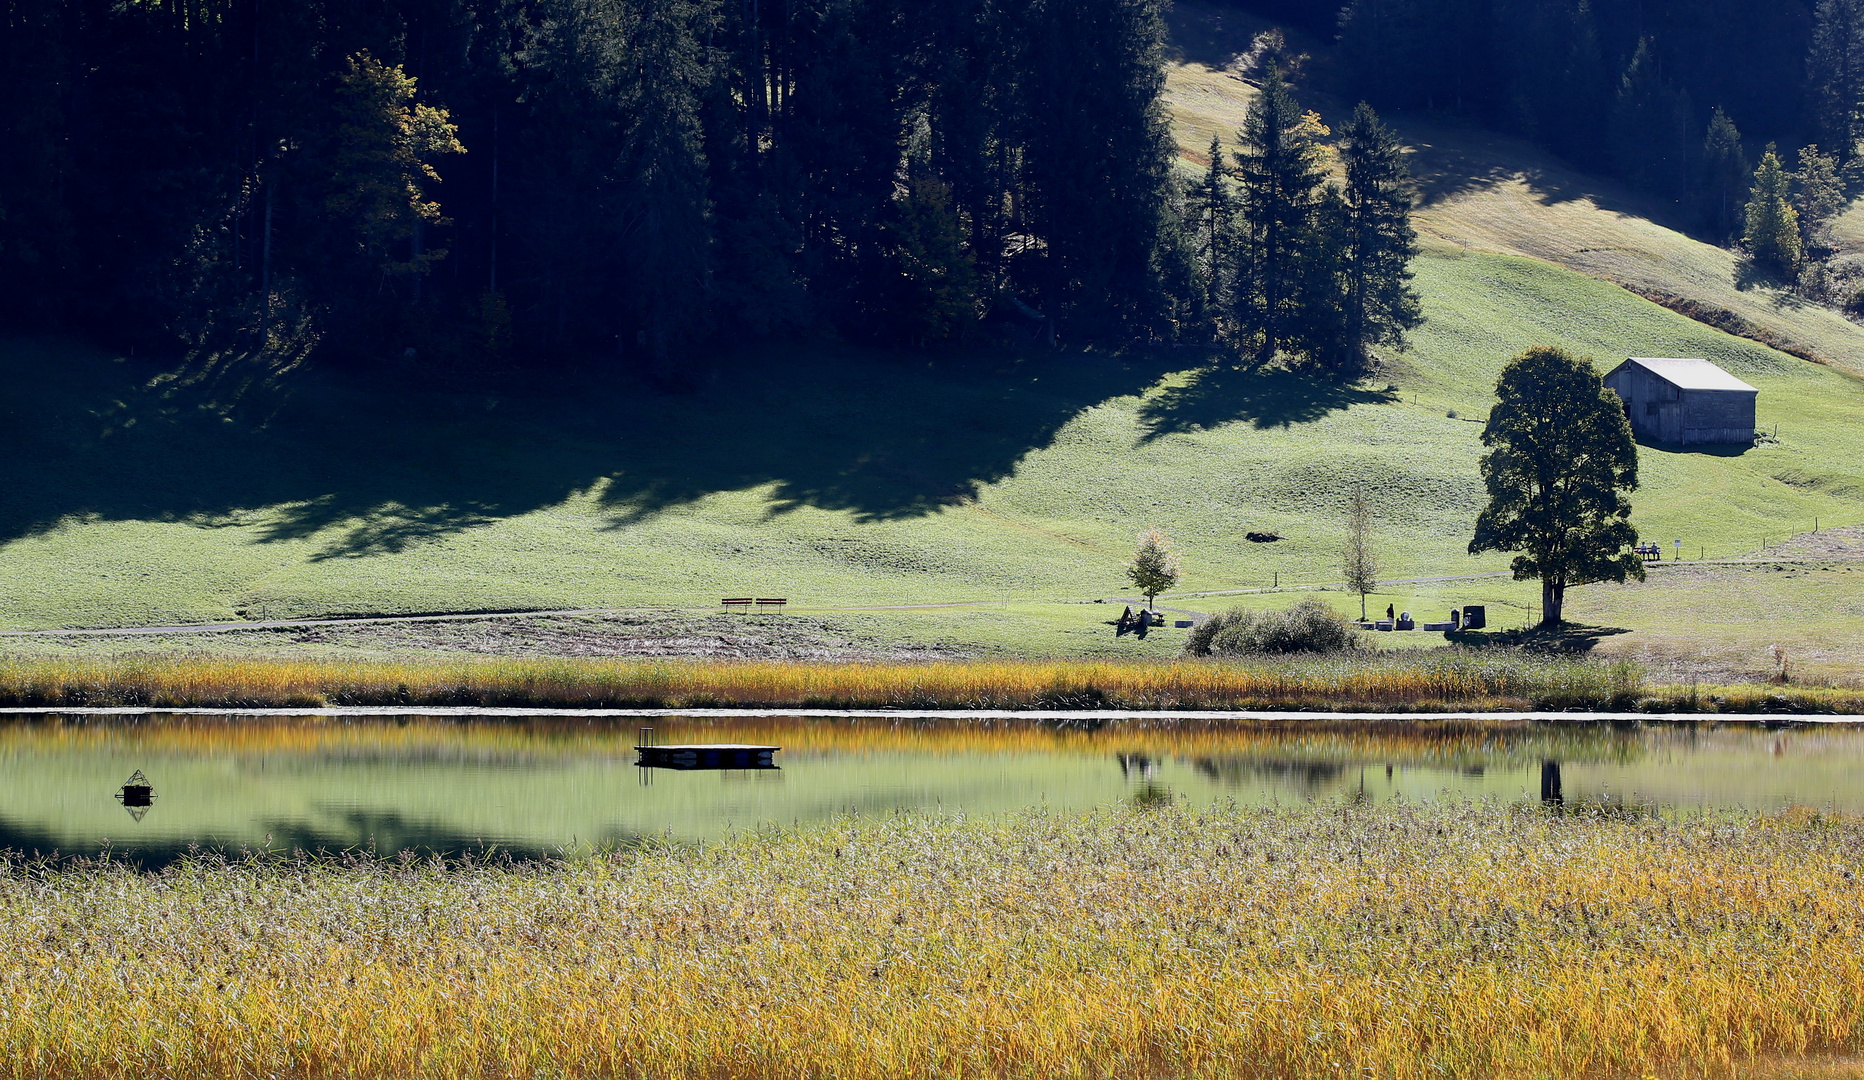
1005 487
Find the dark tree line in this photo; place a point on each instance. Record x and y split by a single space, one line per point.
631 177
1648 90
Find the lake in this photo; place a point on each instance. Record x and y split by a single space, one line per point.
542 785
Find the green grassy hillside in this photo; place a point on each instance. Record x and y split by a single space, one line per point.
1006 486
1020 480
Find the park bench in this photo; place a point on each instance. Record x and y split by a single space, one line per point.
770 604
742 603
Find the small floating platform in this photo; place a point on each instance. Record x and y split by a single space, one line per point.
707 756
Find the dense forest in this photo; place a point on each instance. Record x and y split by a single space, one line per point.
479 182
1630 87
623 176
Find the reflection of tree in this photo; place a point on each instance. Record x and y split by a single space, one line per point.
1151 795
1308 776
1137 766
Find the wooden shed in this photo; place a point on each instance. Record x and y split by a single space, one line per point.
1684 401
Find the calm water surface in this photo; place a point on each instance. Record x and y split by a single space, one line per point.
541 785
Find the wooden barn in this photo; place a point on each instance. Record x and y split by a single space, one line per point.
1683 401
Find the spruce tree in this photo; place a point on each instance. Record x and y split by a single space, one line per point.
1282 175
1818 192
1726 176
1772 223
1380 304
1215 211
1835 70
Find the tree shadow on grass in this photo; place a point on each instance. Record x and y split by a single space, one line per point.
1568 637
371 466
1267 398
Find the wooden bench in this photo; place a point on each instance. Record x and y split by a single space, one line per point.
770 604
743 603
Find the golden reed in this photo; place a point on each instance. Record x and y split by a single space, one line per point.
1403 941
1442 682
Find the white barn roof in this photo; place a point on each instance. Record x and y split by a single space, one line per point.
1688 374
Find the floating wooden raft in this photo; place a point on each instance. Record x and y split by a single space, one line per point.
708 756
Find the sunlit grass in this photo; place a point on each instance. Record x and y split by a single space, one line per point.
1438 681
1391 940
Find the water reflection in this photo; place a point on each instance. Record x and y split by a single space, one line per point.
548 785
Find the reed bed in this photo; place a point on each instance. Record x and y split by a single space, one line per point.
1389 940
1448 680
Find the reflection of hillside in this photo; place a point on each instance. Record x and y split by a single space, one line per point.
1309 777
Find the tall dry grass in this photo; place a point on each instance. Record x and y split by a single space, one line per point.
1447 680
1384 940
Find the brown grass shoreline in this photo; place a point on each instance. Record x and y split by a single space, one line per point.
1441 682
1397 940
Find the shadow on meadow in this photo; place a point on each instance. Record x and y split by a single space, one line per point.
379 466
1265 397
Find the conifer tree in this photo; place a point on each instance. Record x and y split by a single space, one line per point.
1380 304
1282 175
1772 224
1726 176
1818 192
1835 70
1216 212
1649 127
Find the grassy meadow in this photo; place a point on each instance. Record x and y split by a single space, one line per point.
1013 483
1399 940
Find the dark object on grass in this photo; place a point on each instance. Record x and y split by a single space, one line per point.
1475 616
1309 626
1261 537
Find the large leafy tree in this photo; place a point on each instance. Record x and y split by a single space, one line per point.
1380 303
1560 460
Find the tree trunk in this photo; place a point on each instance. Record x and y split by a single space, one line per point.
1552 601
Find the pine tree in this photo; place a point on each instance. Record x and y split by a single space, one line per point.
1282 175
1649 127
1380 304
936 279
1215 210
1772 223
1835 70
1818 192
663 227
1096 160
1726 176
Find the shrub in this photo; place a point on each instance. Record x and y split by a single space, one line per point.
1309 626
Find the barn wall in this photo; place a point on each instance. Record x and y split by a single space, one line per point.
1718 416
1654 405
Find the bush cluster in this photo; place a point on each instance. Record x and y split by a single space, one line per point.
1309 626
